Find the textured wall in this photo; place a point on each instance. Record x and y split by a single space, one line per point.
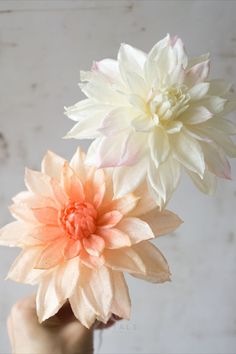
43 45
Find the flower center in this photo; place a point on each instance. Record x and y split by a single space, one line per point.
168 104
78 220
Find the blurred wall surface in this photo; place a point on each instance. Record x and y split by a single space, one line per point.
43 45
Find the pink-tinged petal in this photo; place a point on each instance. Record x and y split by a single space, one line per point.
81 308
92 262
137 230
94 245
59 194
121 303
109 219
38 183
52 255
22 268
127 179
114 238
159 145
207 184
109 152
52 165
124 204
162 222
196 60
47 215
17 234
156 266
72 249
179 50
22 213
124 260
116 121
109 68
198 73
188 152
48 299
196 115
99 292
216 160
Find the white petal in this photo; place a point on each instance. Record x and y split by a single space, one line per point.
197 60
137 229
86 128
109 68
86 108
207 184
216 160
214 104
164 180
195 115
127 179
198 91
143 123
159 145
188 152
130 59
136 84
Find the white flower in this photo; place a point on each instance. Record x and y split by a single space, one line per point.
154 114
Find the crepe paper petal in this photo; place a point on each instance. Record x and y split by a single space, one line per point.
159 106
78 238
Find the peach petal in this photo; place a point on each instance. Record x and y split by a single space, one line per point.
17 234
67 277
51 255
114 238
59 194
137 230
22 213
66 175
124 260
94 245
38 183
162 222
76 191
72 249
47 215
110 219
156 266
77 164
121 303
22 268
52 165
32 200
46 233
145 202
124 205
91 261
81 308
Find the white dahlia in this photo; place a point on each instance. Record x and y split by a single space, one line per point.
154 114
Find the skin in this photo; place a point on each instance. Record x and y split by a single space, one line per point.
61 334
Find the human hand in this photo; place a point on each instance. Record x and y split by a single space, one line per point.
61 334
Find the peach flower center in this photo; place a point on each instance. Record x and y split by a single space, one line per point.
78 220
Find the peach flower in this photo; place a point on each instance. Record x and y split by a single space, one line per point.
77 240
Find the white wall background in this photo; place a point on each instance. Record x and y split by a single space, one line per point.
43 45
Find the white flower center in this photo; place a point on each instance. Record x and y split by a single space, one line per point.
168 103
